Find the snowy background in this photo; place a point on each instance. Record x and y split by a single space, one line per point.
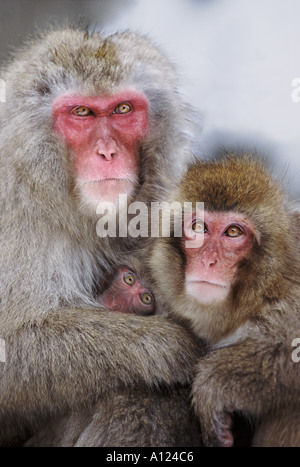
237 58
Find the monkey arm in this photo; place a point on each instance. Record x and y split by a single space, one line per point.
251 377
75 355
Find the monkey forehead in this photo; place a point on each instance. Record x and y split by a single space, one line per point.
101 103
99 64
69 58
232 182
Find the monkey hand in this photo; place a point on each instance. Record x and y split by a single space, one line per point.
213 399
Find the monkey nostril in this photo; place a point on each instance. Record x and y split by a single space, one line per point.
208 262
106 155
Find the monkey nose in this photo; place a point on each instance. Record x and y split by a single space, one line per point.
106 149
106 155
209 263
209 259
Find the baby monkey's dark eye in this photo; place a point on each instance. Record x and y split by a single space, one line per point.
129 278
147 298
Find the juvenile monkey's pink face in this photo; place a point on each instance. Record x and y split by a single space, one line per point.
211 269
104 134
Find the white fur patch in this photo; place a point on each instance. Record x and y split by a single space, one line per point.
239 335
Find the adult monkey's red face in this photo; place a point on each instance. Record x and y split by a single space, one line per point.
103 133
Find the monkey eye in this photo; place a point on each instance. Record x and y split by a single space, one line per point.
82 111
147 298
122 108
233 231
199 226
129 278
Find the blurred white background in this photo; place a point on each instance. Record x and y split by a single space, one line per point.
237 60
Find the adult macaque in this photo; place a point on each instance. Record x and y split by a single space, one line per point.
87 118
239 290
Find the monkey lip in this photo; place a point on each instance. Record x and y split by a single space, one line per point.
111 179
199 282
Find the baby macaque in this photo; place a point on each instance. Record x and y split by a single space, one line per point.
128 293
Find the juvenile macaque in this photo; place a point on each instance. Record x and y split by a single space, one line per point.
86 119
240 291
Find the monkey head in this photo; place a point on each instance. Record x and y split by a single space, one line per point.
246 247
104 111
127 292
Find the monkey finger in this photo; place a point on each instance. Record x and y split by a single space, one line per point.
217 430
224 432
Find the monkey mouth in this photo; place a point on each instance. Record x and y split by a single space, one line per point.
206 283
206 292
103 180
